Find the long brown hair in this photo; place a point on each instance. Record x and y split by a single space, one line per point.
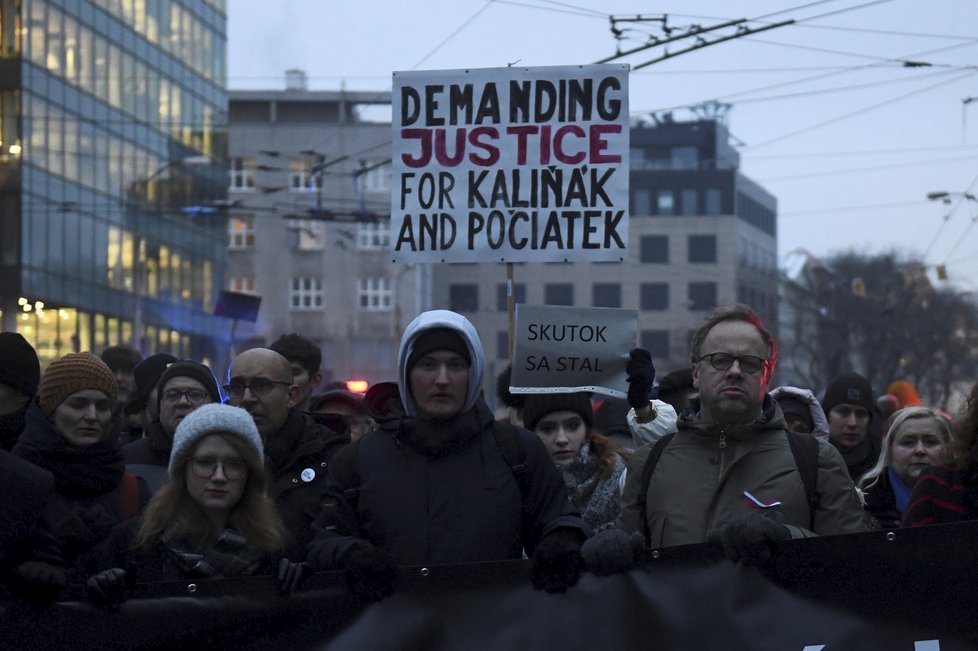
255 516
966 433
605 450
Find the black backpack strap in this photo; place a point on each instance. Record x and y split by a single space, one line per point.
514 454
647 470
804 447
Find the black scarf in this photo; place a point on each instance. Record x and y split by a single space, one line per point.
78 470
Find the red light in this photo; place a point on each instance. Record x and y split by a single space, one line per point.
357 386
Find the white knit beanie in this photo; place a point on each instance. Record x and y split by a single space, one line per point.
211 419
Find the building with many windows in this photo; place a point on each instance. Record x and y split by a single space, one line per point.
701 234
309 229
112 160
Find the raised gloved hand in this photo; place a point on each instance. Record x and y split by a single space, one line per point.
38 581
292 576
108 588
641 375
747 538
370 572
612 551
557 561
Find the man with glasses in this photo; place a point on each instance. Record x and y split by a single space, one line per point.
183 386
297 448
729 474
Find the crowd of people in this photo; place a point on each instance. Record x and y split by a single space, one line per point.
118 469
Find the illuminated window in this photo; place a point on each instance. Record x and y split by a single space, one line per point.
241 233
243 284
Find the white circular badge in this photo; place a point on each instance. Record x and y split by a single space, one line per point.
308 475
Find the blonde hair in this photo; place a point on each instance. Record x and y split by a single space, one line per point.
897 420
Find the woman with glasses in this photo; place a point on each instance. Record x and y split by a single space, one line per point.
69 433
183 386
211 518
918 437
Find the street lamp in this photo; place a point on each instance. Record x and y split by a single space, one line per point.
136 339
946 196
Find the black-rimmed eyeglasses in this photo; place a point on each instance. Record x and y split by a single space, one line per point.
205 467
749 364
259 386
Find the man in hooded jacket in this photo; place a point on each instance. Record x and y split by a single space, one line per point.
432 484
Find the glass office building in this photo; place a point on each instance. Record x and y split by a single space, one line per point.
112 173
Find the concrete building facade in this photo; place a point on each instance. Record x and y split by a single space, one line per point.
309 226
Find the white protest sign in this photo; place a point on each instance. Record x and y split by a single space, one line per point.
510 164
562 349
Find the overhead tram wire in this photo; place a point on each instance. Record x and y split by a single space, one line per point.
865 109
453 34
944 221
963 197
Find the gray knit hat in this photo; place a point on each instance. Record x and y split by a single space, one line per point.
214 418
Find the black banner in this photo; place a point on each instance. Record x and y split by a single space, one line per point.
906 589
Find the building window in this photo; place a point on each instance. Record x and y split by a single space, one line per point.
606 295
641 203
374 294
310 234
242 284
690 202
377 178
241 233
300 179
373 236
712 201
654 248
242 171
665 202
558 294
656 342
502 344
519 296
463 297
306 294
685 158
702 296
654 296
702 248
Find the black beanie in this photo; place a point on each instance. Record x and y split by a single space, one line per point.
148 372
538 405
438 339
849 388
680 380
19 368
191 369
611 417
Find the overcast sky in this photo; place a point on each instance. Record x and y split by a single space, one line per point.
850 116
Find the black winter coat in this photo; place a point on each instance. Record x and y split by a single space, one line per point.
297 457
87 499
460 505
25 533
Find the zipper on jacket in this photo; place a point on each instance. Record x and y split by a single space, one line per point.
723 439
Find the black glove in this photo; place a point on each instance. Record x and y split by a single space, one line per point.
641 375
38 581
747 538
291 576
612 551
557 561
108 588
370 572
